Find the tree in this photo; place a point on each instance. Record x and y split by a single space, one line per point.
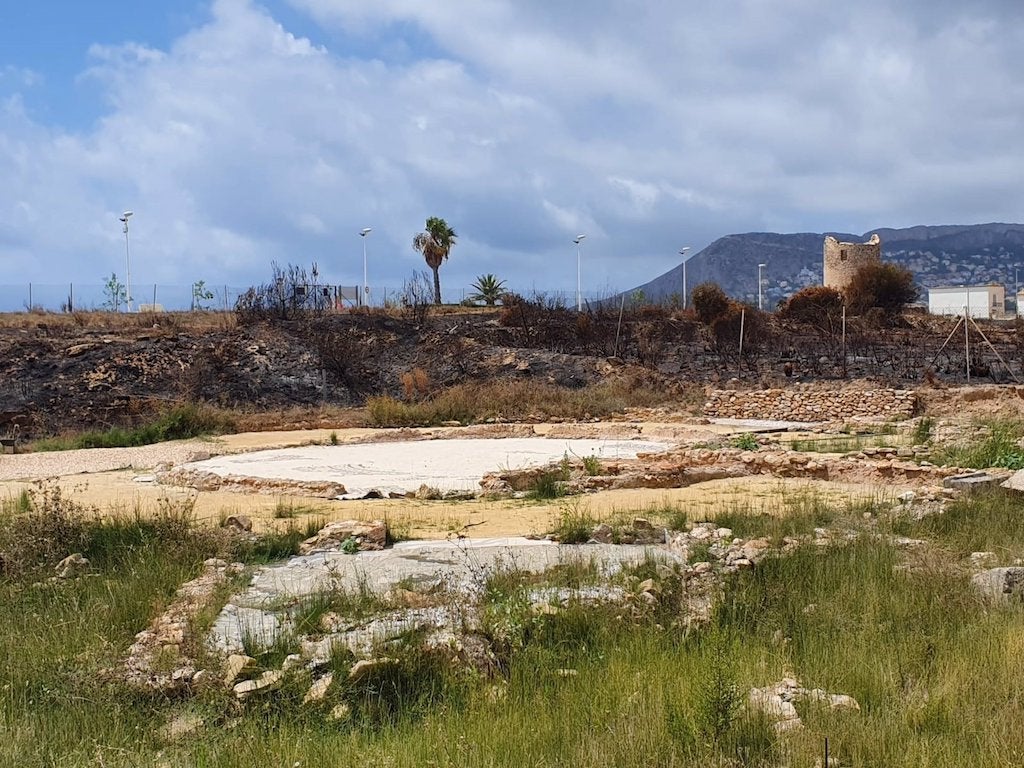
200 293
435 244
114 294
488 289
709 302
878 284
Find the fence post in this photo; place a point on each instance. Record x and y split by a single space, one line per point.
30 297
71 297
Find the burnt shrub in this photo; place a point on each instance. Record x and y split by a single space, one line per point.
888 287
709 302
818 306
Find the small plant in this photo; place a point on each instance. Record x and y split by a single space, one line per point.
592 465
719 698
333 438
923 430
114 294
284 510
489 289
548 485
745 442
200 294
573 526
350 546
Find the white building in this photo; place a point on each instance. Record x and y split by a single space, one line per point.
985 301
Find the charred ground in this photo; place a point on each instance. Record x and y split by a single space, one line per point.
61 373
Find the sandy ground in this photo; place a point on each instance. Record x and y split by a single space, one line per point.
117 493
105 479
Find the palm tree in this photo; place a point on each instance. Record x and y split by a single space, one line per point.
488 289
435 244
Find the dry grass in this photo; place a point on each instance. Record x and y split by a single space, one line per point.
513 401
119 321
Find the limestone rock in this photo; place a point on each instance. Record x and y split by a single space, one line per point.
235 665
1000 583
368 536
318 690
237 522
268 681
72 566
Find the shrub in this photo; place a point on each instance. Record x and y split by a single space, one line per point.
709 302
818 306
886 286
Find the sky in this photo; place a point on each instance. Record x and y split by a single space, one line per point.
242 133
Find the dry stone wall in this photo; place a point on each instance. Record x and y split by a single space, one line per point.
808 405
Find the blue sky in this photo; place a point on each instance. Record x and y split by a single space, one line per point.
244 132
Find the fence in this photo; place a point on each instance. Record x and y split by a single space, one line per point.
64 297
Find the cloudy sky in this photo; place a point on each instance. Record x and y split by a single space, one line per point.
244 132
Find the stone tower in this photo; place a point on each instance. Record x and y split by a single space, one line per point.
842 260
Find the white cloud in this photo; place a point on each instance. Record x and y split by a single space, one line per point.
523 123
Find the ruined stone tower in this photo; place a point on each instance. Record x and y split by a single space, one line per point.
842 260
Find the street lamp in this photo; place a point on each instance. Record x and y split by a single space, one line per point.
366 288
127 262
760 285
579 294
682 252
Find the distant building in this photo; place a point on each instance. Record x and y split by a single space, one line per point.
842 260
985 301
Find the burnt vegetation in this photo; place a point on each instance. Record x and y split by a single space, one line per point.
286 349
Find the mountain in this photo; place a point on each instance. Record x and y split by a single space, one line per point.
937 255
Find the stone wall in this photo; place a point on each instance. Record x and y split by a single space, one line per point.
808 405
842 260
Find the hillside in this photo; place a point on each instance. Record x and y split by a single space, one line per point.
937 255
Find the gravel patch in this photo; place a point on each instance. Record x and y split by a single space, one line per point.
34 466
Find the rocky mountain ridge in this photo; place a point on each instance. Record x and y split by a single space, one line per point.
937 255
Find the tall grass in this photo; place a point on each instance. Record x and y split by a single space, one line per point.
511 400
998 448
180 422
935 671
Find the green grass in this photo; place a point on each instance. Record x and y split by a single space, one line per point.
936 672
180 422
998 448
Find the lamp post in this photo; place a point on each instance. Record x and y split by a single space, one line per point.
366 288
579 273
760 285
127 262
682 252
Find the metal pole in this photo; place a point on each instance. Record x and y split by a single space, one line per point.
365 297
844 341
743 317
127 262
71 297
30 297
579 274
760 284
967 338
622 306
683 254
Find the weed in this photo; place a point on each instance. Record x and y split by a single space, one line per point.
548 485
719 698
180 422
333 438
999 448
923 430
592 466
745 442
